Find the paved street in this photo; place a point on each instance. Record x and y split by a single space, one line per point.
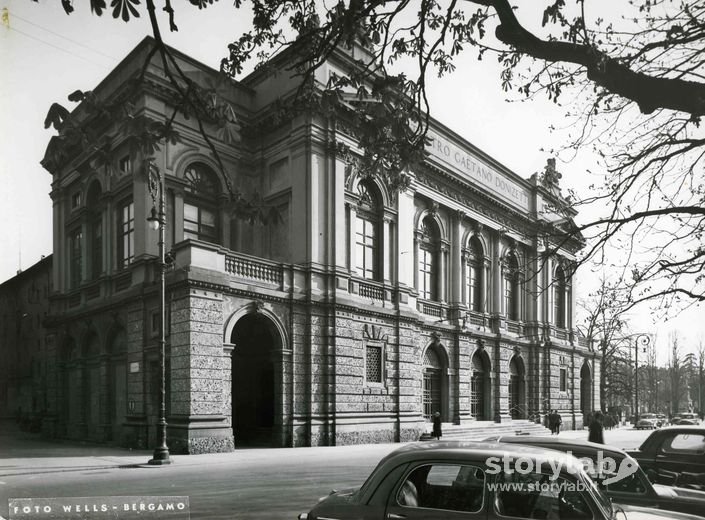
248 483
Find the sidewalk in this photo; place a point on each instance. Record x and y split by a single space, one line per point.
28 454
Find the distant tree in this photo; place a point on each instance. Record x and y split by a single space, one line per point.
697 382
604 325
679 370
630 74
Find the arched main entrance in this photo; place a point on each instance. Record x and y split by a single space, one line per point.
585 389
256 347
117 385
479 387
517 405
432 383
92 387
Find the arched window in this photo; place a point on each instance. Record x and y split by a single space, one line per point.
201 204
95 232
432 383
474 266
429 258
367 234
559 297
511 287
479 382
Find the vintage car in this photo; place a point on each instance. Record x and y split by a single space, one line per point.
686 419
453 480
674 455
634 489
647 421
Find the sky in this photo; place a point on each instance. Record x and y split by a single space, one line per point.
46 55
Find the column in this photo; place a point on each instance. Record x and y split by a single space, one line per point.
456 260
496 303
443 272
352 213
387 249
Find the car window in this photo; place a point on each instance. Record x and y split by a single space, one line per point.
451 487
685 443
633 483
540 497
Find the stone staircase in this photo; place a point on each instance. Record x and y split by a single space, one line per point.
482 429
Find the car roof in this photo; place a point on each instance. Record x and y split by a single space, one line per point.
692 428
477 451
561 444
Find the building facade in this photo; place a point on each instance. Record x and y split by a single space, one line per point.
24 304
351 318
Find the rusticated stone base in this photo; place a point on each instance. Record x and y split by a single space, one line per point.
364 437
410 435
200 445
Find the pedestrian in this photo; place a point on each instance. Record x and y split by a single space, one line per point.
553 422
437 425
559 422
596 433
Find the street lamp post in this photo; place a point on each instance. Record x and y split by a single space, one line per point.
157 221
642 340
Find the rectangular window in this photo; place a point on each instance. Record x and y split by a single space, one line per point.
97 249
563 380
126 235
473 287
365 248
426 268
199 223
76 200
559 306
125 165
373 364
76 258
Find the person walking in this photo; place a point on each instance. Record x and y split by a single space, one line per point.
437 433
596 431
553 421
559 422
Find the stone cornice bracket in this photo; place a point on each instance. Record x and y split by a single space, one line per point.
477 228
480 344
257 306
433 210
435 338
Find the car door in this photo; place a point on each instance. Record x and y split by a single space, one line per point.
439 490
541 496
681 452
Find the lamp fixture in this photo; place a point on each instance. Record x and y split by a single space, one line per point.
153 219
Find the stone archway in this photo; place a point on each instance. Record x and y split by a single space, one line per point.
117 385
517 388
586 389
432 383
92 387
256 381
480 402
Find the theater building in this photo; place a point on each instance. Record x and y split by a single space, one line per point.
350 319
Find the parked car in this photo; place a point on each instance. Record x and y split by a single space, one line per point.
453 480
686 419
662 420
634 489
674 455
647 421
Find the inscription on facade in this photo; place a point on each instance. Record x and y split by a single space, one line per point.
475 170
